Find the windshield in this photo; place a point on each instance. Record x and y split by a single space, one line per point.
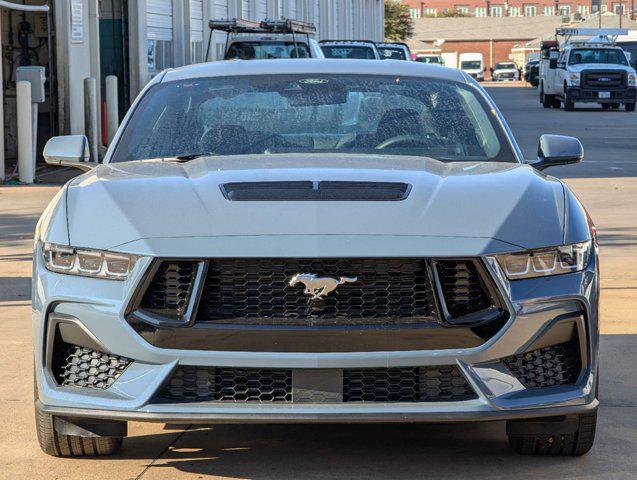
340 51
429 59
504 66
266 50
471 65
315 113
597 55
392 53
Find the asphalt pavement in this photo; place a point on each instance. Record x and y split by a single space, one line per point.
608 188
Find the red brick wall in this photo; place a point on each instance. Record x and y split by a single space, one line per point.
441 5
501 50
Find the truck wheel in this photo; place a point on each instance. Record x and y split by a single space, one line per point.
57 445
614 106
630 107
605 106
556 102
564 444
569 106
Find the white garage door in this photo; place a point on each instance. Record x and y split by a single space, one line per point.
159 19
196 31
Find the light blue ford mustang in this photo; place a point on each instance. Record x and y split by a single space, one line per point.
315 241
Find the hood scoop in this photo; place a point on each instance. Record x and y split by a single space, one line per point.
315 191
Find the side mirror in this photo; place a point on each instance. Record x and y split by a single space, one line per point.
554 150
553 63
68 151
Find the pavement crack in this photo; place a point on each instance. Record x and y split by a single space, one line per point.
161 454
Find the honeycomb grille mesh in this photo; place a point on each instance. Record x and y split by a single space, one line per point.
258 289
547 367
198 384
462 288
412 384
170 288
84 367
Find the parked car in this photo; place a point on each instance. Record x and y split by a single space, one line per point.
315 241
532 72
426 58
393 51
267 40
353 49
472 64
505 71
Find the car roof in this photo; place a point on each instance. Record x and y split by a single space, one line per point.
313 66
361 43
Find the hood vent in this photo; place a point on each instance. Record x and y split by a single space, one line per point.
316 191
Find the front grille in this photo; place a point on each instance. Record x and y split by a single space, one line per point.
389 290
75 366
603 79
199 384
547 367
169 291
463 290
411 384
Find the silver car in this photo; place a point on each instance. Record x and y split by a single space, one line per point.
315 241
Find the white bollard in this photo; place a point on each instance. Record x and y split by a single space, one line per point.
112 108
26 161
90 116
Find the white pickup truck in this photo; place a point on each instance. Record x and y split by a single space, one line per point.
592 71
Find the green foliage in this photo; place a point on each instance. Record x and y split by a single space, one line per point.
399 25
453 13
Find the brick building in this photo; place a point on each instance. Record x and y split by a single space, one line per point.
498 39
521 8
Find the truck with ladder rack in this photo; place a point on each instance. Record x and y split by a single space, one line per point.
594 70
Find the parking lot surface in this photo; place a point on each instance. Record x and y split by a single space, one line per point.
606 183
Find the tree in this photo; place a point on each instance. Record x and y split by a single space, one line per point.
399 25
454 13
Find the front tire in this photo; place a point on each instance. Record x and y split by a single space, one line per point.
560 444
630 107
545 100
569 105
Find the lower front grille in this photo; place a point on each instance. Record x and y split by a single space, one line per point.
610 79
75 366
411 384
201 384
547 367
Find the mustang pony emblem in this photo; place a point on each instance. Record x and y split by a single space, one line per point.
319 287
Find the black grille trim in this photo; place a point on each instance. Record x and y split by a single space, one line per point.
315 191
615 79
202 384
170 288
76 366
547 367
408 384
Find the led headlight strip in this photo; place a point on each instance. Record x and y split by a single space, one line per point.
546 261
87 262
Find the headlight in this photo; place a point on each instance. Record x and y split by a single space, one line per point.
546 261
574 78
632 79
87 262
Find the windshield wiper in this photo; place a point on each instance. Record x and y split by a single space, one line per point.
191 156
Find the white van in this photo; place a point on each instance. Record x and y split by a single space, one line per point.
473 64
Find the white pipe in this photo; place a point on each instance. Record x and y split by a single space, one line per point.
90 117
26 163
112 108
24 8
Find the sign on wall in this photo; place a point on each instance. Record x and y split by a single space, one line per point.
77 22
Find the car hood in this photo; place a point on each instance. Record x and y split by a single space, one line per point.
505 70
131 205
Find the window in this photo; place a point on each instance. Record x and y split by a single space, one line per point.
481 12
614 56
530 10
431 12
414 12
462 8
344 51
514 11
565 10
583 9
266 50
496 11
313 113
548 11
618 8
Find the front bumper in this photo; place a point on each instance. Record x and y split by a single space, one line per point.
536 306
592 95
